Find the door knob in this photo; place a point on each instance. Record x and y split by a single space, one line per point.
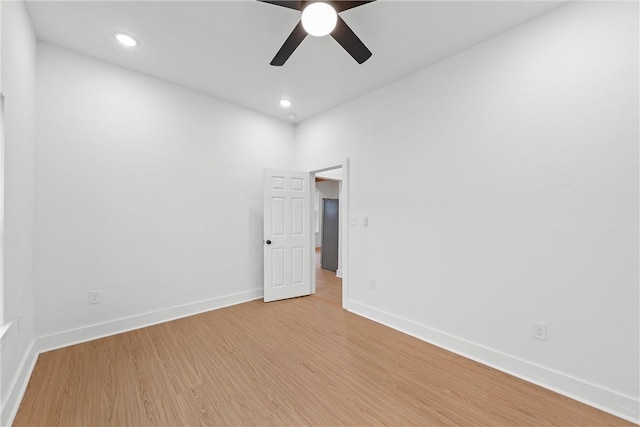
268 242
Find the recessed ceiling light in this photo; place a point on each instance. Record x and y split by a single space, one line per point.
285 103
319 19
126 40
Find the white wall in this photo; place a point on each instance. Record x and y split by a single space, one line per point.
146 191
501 188
18 53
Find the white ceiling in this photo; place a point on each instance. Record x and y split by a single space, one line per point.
223 48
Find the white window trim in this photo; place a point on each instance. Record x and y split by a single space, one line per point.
4 328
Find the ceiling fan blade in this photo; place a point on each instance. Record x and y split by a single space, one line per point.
291 4
342 5
350 42
293 41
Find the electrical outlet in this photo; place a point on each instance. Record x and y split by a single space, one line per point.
19 321
95 296
539 331
373 283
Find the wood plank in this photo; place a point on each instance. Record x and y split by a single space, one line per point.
235 366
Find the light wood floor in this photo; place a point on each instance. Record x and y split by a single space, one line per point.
303 361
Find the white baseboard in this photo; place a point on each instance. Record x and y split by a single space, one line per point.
18 385
617 404
101 330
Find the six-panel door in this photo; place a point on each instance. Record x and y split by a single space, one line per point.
287 234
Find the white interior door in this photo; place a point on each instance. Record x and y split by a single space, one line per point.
287 234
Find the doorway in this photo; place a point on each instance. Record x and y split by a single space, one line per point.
330 234
292 271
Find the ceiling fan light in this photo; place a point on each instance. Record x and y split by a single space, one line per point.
319 19
126 40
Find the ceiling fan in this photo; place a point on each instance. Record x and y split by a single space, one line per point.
320 18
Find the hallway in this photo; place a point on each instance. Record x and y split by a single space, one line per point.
328 286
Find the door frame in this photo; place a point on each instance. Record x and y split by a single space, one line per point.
343 224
